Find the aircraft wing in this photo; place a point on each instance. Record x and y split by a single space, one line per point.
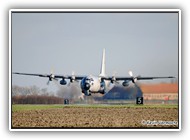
30 74
52 75
132 78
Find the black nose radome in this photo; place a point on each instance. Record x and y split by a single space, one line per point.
87 86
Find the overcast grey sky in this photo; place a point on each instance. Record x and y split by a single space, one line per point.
146 43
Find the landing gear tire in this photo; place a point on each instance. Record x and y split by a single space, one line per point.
87 93
102 92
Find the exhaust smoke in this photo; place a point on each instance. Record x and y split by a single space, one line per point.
69 91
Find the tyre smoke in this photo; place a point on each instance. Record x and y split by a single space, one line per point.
69 91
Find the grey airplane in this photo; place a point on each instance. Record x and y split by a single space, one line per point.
94 84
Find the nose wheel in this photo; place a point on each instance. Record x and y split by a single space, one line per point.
102 92
87 93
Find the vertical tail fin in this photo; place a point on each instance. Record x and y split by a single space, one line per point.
103 66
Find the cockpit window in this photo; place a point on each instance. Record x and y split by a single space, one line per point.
91 79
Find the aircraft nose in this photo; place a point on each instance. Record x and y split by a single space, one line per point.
87 86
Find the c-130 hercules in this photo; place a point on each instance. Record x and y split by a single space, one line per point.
94 84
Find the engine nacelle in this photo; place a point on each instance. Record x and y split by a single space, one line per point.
51 77
113 79
63 82
125 83
72 79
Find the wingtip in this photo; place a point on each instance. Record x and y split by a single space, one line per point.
15 73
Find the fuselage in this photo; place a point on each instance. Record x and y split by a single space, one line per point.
93 84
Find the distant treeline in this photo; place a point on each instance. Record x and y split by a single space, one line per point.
34 95
36 99
29 90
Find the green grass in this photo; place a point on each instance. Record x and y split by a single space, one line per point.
40 107
34 107
124 106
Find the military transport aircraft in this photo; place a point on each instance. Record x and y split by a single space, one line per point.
94 84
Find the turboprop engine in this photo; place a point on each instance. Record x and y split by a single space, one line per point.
125 83
63 82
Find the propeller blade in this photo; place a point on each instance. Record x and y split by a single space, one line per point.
69 84
73 73
55 79
47 82
72 79
52 71
114 73
51 77
131 73
134 80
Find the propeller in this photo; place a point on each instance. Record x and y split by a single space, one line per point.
51 77
134 79
72 77
130 73
113 79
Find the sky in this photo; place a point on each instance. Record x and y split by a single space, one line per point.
146 43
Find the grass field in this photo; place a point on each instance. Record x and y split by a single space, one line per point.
41 107
66 116
33 107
